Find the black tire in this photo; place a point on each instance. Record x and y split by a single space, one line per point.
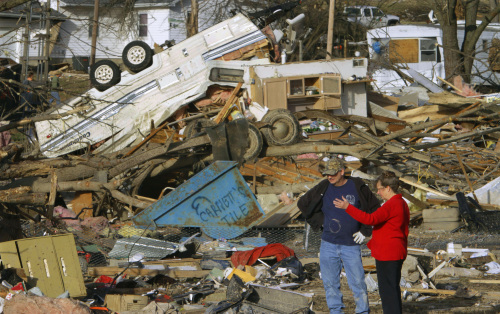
255 143
137 56
282 128
197 126
104 74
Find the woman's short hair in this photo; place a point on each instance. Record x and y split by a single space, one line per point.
389 178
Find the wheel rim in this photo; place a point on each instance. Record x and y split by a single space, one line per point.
281 129
136 55
103 74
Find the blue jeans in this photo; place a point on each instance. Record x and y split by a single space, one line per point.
331 259
56 97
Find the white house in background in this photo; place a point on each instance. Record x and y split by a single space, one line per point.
12 28
152 21
420 47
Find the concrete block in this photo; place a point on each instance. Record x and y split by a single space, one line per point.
441 214
445 225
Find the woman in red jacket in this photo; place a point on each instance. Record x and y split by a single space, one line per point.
389 240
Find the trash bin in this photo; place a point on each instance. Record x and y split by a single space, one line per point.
81 63
217 199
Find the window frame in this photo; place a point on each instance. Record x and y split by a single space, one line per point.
377 10
420 50
142 29
91 26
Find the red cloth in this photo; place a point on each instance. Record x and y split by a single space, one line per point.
104 279
390 232
250 257
17 287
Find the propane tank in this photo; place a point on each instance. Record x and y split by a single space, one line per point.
283 56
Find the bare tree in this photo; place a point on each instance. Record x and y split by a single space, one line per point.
9 4
460 61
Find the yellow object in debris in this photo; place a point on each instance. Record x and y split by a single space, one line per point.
127 231
236 114
247 275
421 195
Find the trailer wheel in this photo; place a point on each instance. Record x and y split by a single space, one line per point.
104 74
197 126
282 129
255 143
137 56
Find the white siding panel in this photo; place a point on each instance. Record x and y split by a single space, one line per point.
10 40
75 40
178 24
164 23
158 26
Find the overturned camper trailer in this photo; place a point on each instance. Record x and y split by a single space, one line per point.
420 48
122 107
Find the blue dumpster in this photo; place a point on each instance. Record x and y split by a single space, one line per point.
216 199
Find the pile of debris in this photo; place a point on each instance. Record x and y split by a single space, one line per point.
107 202
143 272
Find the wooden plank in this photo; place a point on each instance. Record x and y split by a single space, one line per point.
294 174
455 203
387 102
174 273
113 271
296 166
419 203
151 135
404 50
280 215
433 112
449 84
422 187
432 291
452 100
465 172
327 135
225 110
272 174
52 194
493 281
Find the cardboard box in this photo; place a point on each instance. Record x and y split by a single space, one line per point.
125 302
51 263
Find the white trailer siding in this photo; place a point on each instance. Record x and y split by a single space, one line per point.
10 40
388 80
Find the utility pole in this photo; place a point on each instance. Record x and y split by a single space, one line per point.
192 28
329 41
47 48
94 32
26 46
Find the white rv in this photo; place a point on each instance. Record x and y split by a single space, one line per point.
420 47
123 105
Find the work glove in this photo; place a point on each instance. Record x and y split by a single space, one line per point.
358 237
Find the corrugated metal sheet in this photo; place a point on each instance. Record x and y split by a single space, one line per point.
152 249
